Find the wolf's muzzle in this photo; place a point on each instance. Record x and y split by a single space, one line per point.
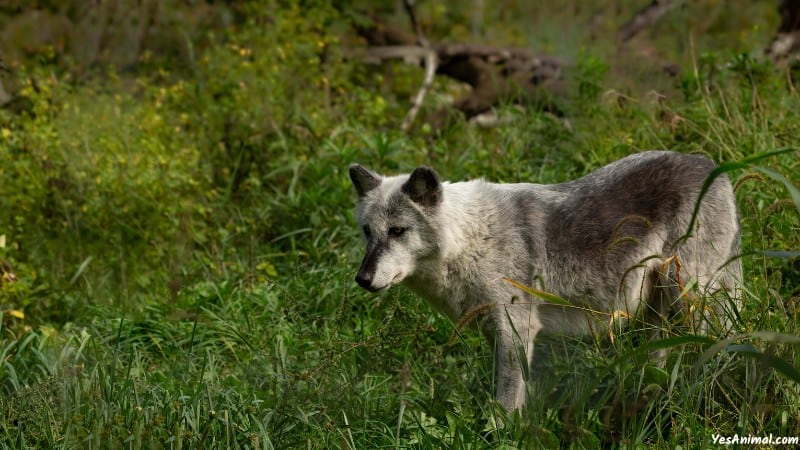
365 281
366 273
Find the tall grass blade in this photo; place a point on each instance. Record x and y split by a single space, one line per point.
720 170
399 424
661 344
81 270
551 298
750 350
793 191
520 348
770 360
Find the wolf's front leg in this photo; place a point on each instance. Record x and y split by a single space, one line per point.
511 391
513 357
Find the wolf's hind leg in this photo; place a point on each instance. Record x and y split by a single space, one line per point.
664 292
723 298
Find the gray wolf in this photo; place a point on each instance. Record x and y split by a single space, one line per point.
614 240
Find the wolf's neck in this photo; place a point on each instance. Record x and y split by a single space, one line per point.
467 215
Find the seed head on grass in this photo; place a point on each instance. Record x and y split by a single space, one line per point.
466 319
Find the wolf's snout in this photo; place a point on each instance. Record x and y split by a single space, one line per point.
365 281
366 273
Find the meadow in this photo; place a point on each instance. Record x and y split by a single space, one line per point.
177 242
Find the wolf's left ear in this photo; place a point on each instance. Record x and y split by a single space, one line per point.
364 180
424 187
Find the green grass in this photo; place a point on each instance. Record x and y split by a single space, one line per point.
184 247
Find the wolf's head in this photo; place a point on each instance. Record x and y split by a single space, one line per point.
397 216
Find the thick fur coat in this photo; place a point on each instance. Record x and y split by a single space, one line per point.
610 241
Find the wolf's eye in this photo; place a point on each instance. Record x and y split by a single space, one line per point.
397 231
366 230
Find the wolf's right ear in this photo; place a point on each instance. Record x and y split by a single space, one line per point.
364 180
423 186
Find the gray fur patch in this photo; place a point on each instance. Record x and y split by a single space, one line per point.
605 242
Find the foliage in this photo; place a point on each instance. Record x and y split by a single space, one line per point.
181 250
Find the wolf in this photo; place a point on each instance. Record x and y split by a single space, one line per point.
618 240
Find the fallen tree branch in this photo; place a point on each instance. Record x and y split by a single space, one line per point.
646 17
787 40
430 68
497 75
430 71
783 46
411 54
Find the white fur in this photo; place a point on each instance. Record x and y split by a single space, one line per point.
601 242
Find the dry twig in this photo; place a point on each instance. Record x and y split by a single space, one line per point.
430 68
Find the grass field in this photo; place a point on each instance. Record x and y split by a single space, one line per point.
178 245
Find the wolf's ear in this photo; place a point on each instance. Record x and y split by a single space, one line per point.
364 180
424 187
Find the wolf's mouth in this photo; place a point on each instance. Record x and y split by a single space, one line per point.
374 289
366 284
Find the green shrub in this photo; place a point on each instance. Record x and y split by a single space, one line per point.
182 249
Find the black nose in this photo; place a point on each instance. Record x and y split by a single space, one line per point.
364 280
